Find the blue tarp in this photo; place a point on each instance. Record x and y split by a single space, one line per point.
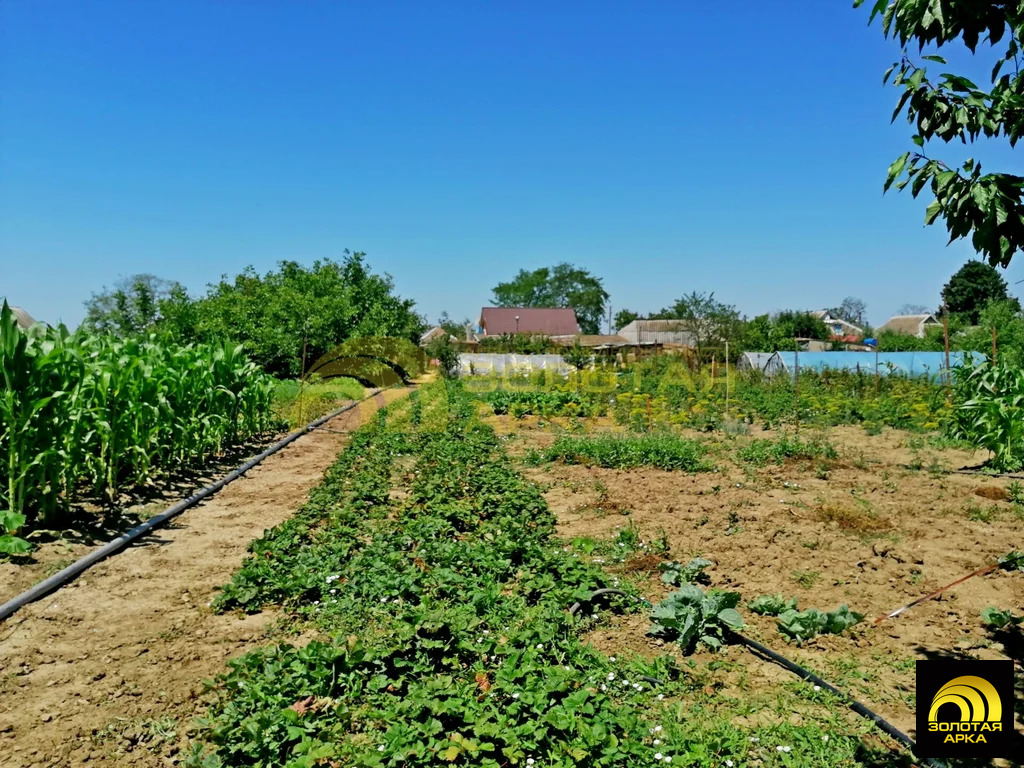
906 363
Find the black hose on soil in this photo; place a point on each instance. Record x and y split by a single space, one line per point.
852 703
805 674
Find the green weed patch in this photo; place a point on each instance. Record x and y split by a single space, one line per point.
654 450
778 451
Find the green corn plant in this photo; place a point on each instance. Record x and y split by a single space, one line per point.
989 411
26 398
80 411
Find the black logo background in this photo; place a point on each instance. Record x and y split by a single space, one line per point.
932 675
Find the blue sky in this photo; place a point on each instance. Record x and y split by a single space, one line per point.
667 147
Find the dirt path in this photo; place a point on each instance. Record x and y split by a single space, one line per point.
108 670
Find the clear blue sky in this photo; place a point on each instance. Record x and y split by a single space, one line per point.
667 147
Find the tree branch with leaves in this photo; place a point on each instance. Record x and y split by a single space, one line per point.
986 206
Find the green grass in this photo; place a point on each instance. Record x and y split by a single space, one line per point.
299 405
619 452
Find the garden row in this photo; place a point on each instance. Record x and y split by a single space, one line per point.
982 405
429 569
92 414
665 392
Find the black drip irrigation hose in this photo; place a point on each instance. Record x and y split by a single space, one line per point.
61 578
766 652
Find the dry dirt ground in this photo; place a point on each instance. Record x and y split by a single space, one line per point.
108 670
889 521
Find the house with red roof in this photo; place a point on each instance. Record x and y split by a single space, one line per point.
549 321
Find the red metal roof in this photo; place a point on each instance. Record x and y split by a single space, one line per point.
551 321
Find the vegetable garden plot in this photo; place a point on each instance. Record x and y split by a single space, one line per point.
868 525
445 635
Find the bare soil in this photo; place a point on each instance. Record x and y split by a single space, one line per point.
888 522
109 669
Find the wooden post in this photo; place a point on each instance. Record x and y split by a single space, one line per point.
302 375
796 384
727 379
876 369
945 337
994 347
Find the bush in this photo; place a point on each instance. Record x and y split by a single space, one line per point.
446 352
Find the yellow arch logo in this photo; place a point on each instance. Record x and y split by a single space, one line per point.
976 698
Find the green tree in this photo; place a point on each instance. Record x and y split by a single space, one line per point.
1005 317
972 287
624 317
133 306
577 356
766 333
710 322
915 309
852 310
458 330
446 352
322 306
950 107
560 286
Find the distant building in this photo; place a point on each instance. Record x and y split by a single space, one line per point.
549 321
910 325
840 329
22 318
657 332
435 332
